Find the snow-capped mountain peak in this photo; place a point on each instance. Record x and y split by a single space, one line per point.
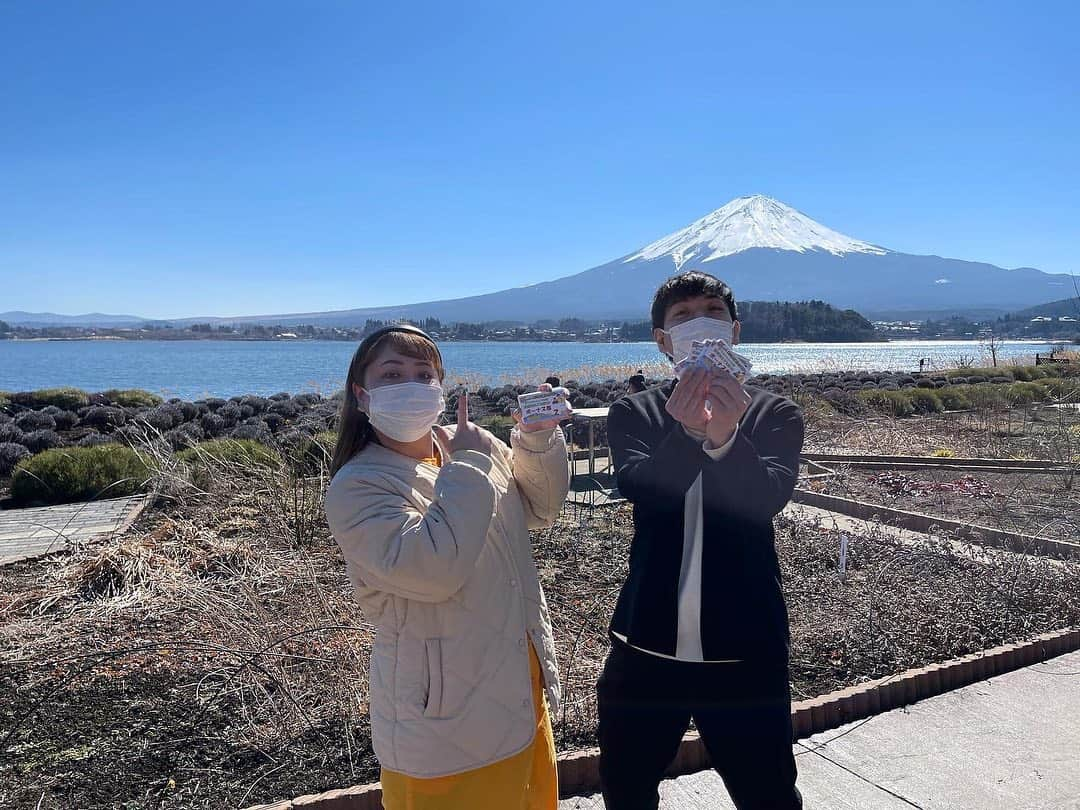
751 222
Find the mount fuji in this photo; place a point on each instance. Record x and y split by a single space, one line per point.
766 251
746 223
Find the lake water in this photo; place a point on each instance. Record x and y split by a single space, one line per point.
192 369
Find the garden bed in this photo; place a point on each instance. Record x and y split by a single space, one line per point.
1033 432
1022 503
214 656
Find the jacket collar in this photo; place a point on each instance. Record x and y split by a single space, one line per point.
376 455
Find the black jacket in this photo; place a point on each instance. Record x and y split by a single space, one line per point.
742 605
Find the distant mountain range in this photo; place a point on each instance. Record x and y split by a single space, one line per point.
766 251
38 319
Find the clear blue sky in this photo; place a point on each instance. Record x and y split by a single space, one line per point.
168 159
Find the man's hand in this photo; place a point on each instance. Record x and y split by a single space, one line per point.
687 402
467 436
729 402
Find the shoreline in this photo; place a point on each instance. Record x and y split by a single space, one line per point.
118 338
191 371
218 339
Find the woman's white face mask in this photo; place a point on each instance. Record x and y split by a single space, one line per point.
683 335
405 411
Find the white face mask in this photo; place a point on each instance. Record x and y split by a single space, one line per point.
405 411
684 334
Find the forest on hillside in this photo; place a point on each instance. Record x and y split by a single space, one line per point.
762 322
780 321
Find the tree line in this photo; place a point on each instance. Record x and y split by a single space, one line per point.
762 322
780 321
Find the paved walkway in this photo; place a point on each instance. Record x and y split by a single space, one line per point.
1009 743
28 533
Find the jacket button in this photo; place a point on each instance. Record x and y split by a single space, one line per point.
513 583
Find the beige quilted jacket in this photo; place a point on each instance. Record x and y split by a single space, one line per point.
441 564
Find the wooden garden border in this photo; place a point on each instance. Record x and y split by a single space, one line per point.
918 522
997 465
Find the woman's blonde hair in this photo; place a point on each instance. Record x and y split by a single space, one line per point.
354 430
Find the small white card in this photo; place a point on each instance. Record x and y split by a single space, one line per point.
541 406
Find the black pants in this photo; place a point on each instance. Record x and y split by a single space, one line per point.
741 710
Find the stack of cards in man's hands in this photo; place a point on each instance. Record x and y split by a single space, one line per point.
714 354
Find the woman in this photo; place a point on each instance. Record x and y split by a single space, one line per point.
433 523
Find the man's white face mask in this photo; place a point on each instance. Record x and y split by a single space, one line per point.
405 411
683 335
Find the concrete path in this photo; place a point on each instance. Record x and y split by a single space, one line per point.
1009 743
29 533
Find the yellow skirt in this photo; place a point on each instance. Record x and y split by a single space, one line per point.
526 781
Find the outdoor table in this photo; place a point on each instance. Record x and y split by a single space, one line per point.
591 416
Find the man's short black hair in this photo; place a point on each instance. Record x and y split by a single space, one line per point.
690 284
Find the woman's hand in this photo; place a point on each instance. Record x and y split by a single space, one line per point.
468 436
546 424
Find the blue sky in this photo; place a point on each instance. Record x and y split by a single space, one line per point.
197 158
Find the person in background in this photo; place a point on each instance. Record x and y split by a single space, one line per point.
636 383
434 523
552 381
700 629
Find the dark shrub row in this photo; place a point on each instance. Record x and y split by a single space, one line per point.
966 397
39 421
67 417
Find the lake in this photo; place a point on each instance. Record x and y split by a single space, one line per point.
193 369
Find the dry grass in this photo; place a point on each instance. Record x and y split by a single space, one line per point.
659 369
213 651
906 604
654 369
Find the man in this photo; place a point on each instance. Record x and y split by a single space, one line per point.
700 628
636 383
